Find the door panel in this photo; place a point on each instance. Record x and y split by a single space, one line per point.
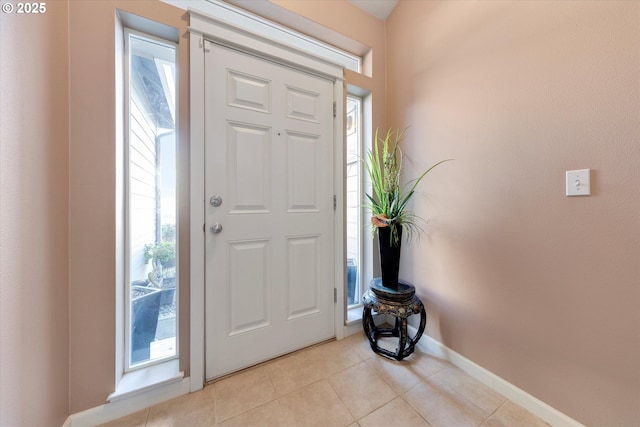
303 105
248 287
269 157
302 276
249 92
249 168
302 169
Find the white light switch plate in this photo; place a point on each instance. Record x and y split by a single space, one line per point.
579 182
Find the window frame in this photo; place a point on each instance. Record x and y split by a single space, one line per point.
359 190
365 269
129 32
153 383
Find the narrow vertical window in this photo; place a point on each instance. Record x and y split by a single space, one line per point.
354 200
150 200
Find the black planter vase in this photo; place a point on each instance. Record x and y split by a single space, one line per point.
145 308
389 256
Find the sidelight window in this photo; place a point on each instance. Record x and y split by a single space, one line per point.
354 202
150 183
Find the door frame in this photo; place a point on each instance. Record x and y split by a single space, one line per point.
228 25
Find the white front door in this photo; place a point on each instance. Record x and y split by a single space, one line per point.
269 256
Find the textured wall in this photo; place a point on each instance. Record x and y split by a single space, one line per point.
34 199
539 288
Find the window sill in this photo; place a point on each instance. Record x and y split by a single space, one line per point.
142 380
354 315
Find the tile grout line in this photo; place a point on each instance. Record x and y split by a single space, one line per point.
491 414
402 396
398 394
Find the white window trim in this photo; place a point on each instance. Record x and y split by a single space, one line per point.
252 24
354 314
360 225
251 35
165 375
128 368
148 378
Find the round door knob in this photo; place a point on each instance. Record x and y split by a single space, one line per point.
216 228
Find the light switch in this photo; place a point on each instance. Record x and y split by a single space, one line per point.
579 182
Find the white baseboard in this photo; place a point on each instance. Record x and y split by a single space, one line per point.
518 396
120 408
352 329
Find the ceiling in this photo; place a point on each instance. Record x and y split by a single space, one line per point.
381 9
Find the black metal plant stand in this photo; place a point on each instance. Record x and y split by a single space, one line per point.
401 304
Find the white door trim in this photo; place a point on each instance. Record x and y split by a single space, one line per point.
232 30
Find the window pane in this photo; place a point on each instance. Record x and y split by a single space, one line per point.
151 159
354 203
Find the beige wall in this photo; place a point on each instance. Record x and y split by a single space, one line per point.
539 288
34 199
92 193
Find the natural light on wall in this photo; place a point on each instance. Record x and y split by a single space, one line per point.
150 165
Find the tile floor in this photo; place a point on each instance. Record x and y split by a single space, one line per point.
340 383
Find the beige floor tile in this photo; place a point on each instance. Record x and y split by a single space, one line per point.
335 384
295 371
243 391
443 408
454 379
267 415
424 365
137 419
194 410
315 405
395 413
336 356
511 414
398 375
361 389
360 344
